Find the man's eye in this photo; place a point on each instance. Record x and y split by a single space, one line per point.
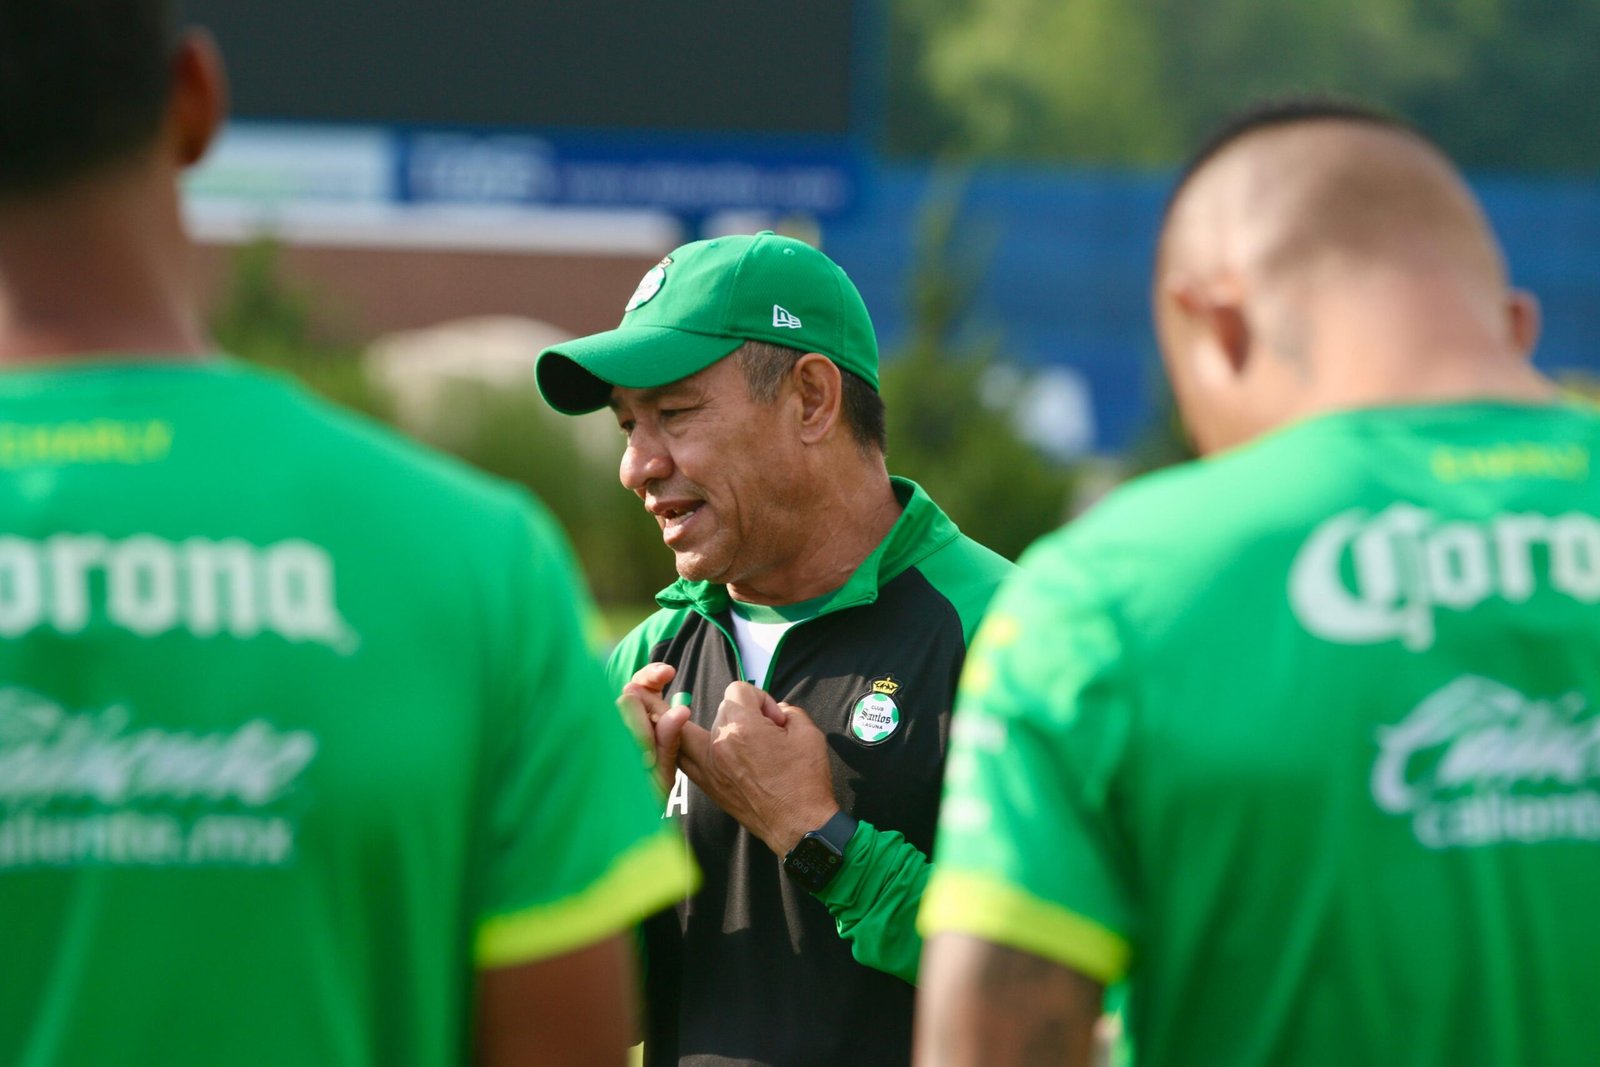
667 413
625 428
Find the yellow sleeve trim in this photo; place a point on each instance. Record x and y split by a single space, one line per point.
985 907
651 875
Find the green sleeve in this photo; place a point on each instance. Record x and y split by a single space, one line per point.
874 900
875 897
576 849
1031 853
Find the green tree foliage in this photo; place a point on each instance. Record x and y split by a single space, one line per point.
969 457
1505 84
264 319
511 433
514 434
1027 78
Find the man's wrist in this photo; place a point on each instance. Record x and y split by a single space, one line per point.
799 825
818 856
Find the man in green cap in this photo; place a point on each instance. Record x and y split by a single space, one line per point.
1302 740
304 756
798 678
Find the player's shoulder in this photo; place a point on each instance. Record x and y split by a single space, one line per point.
1227 510
1191 515
1300 470
1162 507
377 466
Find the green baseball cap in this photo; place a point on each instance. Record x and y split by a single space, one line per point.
701 303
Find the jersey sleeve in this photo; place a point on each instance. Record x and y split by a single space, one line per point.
1028 853
577 849
874 899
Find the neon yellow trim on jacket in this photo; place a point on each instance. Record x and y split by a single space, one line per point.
651 875
985 907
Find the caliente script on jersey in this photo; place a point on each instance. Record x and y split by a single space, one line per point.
1479 763
95 787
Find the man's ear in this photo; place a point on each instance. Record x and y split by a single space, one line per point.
1522 310
819 388
199 103
1215 314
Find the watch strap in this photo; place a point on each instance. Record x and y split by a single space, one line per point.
838 830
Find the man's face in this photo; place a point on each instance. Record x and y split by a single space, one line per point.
720 472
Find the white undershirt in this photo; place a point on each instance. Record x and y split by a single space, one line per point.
757 642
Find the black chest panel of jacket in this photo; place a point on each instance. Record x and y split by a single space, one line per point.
752 970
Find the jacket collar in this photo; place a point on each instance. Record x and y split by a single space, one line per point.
921 529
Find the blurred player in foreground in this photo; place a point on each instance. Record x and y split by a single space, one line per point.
744 377
1302 738
303 757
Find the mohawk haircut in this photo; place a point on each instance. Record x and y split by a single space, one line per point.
83 85
1286 111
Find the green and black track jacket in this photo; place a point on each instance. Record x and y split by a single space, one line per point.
752 969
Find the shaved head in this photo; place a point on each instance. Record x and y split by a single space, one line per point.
1323 256
1279 199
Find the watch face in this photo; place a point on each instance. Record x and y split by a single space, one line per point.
813 863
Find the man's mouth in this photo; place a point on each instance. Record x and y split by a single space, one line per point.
675 517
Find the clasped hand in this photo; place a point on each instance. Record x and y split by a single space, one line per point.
763 762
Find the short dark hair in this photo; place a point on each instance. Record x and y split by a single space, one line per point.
83 85
766 365
1286 111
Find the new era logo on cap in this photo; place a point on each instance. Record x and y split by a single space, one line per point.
780 317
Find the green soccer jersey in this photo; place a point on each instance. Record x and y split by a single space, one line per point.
298 729
1304 741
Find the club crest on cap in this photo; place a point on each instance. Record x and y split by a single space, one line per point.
649 285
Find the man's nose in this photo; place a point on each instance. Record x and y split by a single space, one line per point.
643 461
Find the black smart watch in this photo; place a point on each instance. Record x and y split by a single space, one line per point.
813 862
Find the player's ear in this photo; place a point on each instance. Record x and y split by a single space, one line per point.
199 102
1231 331
819 387
1221 330
1522 310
